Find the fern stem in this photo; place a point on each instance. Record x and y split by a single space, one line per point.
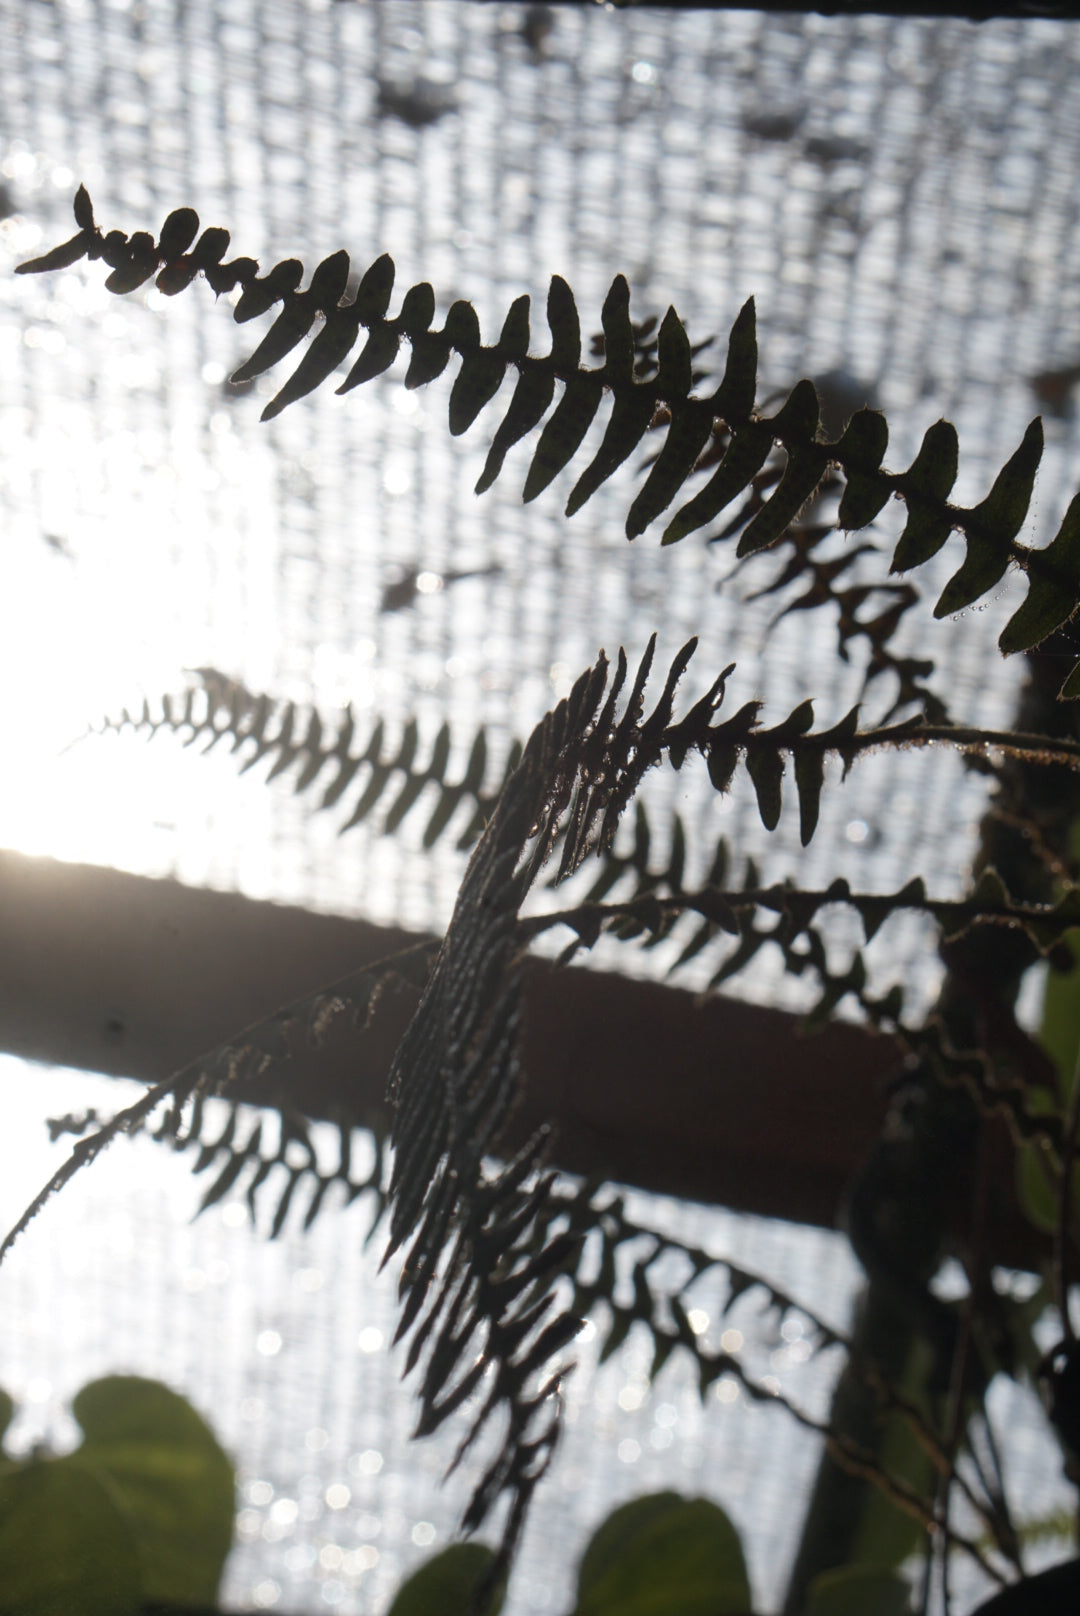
955 916
858 1461
1061 1233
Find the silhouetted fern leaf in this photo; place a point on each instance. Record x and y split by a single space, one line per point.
660 900
219 709
621 1266
269 1175
264 1051
870 611
491 1254
216 710
990 528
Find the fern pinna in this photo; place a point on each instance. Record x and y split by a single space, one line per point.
692 426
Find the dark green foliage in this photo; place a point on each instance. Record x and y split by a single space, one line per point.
661 1554
456 1580
139 1516
64 1545
662 397
857 1590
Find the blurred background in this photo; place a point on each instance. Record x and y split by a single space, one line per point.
900 198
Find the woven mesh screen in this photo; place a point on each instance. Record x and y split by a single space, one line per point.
900 197
894 194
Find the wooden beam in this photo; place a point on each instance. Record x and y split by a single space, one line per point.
719 1102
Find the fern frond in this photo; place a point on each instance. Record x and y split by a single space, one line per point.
613 1240
660 900
989 528
625 1257
491 1255
216 710
269 1175
253 1165
869 611
264 1049
478 1286
621 756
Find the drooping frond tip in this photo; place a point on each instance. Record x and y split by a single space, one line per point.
358 769
720 428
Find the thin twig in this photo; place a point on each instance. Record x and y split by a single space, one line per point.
893 1402
858 1461
1061 1233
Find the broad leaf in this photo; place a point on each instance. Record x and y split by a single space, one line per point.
662 1555
858 1590
447 1584
67 1544
165 1468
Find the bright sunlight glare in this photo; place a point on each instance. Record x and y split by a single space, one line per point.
119 585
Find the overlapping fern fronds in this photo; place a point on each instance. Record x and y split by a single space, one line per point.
692 425
659 896
266 1047
493 1255
216 709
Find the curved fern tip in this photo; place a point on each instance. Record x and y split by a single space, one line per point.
649 379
